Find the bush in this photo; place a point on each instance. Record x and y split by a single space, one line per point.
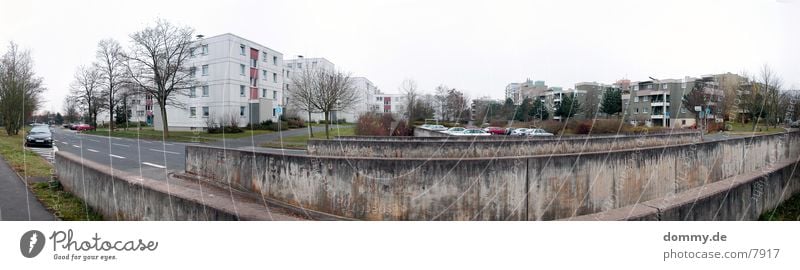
402 129
583 127
552 126
295 122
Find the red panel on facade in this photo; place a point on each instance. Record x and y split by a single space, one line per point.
253 54
254 73
387 108
253 93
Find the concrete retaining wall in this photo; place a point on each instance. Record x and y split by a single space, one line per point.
503 188
128 197
742 197
497 147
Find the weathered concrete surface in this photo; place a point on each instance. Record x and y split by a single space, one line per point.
418 132
742 197
499 146
373 189
127 197
529 187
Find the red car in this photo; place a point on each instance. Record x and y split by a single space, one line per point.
82 127
495 130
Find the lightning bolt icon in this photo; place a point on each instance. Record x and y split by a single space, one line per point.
32 242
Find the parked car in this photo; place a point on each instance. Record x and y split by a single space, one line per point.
83 127
519 132
472 132
538 132
66 125
437 127
795 124
39 135
495 130
73 126
454 130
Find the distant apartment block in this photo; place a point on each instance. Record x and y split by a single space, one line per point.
237 80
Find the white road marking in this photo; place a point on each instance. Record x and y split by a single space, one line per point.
123 145
162 151
68 143
115 156
154 165
92 150
76 146
95 140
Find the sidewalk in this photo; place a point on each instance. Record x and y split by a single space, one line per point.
16 201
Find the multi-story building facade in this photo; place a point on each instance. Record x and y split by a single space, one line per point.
294 69
512 92
660 102
389 103
238 80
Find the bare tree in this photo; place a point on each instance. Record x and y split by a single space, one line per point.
302 91
409 88
729 85
112 71
335 93
71 109
86 89
156 64
20 88
772 93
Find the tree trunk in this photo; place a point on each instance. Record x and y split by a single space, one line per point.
327 123
310 128
164 121
110 115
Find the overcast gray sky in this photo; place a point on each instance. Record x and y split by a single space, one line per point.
477 46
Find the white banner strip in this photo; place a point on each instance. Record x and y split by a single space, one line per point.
399 245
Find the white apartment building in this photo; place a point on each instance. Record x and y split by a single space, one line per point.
389 103
236 79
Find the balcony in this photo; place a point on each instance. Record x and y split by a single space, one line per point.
659 116
659 104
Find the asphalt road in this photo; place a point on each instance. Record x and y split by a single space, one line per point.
146 158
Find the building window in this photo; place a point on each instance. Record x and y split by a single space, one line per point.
204 49
140 113
241 90
664 86
636 111
636 99
290 65
205 70
275 77
192 112
193 92
683 110
241 49
264 75
649 86
205 90
191 52
241 69
241 111
644 110
192 71
299 65
205 111
683 122
264 56
264 93
275 95
273 112
275 60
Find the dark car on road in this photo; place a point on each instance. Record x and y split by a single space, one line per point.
39 135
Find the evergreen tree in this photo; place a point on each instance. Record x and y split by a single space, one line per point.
538 111
569 107
612 102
